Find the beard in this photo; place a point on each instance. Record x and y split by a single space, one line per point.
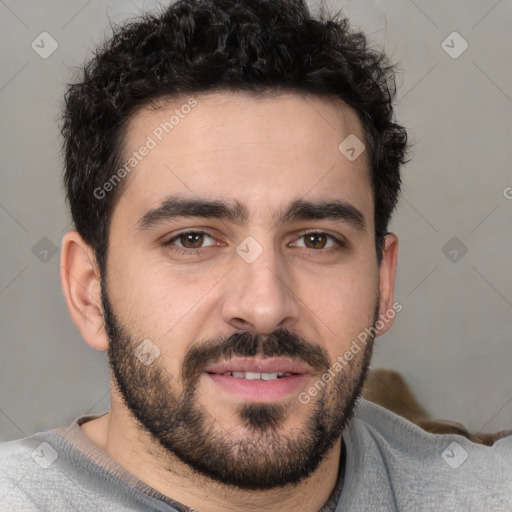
268 455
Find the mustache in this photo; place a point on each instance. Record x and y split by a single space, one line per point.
280 343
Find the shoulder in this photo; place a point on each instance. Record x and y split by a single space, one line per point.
22 462
20 455
393 454
43 472
393 435
375 422
48 471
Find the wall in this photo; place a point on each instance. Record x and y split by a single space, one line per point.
452 340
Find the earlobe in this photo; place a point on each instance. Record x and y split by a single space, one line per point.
80 279
387 274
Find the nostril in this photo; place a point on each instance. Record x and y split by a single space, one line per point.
242 324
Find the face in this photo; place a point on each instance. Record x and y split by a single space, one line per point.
241 267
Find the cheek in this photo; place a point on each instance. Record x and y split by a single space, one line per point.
340 305
163 304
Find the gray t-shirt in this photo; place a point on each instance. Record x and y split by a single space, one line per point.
389 465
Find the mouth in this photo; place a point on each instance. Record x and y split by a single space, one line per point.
256 375
259 380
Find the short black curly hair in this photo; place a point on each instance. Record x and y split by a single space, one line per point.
196 46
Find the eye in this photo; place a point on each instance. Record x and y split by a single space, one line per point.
192 240
318 241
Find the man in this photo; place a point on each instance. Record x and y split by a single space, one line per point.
231 169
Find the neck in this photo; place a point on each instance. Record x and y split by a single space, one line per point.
118 435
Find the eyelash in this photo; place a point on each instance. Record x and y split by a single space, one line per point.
182 250
340 244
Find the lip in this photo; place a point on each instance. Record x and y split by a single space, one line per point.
262 391
254 364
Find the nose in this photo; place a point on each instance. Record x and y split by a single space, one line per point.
260 295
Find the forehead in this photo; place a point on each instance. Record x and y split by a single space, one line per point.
255 149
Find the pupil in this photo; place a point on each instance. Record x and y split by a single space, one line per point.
192 240
315 241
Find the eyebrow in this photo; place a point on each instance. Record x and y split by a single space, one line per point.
174 207
323 210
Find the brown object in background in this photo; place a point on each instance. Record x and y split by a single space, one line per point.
388 389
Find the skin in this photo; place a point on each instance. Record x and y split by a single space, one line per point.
263 153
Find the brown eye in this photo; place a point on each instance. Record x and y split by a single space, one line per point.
191 243
315 240
319 241
191 240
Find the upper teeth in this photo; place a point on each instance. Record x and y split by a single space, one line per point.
257 375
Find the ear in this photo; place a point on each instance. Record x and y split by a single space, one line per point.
80 278
387 273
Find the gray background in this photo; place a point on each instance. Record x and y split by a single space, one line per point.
452 341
